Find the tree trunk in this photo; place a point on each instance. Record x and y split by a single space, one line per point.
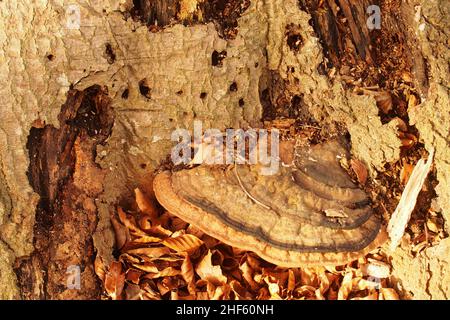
91 94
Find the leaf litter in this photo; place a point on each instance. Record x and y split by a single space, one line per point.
165 258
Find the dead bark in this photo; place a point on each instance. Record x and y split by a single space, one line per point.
63 172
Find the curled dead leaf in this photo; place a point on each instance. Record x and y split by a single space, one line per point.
239 291
114 280
167 272
153 252
146 205
187 271
247 274
207 271
376 269
291 281
346 286
360 170
100 268
129 223
133 275
389 294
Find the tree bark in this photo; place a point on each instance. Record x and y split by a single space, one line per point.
60 160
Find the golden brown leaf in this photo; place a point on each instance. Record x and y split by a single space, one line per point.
239 291
291 281
389 294
131 225
346 286
133 275
146 205
183 243
167 272
360 170
148 293
147 239
153 252
207 271
114 280
187 271
147 267
100 268
247 274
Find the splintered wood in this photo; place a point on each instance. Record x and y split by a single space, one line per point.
405 207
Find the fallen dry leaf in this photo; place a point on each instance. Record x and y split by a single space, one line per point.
145 205
167 272
129 223
183 243
376 269
100 268
360 170
154 252
114 280
187 271
174 260
389 294
208 272
346 286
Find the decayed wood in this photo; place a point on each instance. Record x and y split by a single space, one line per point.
326 17
156 12
380 57
315 217
63 172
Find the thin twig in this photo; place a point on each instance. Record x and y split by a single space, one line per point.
246 192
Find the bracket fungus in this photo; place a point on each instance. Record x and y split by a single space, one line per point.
310 213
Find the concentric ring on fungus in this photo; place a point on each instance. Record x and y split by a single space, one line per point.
309 214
